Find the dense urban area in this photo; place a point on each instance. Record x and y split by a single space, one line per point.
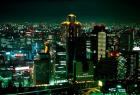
69 58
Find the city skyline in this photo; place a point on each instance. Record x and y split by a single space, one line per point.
69 56
107 11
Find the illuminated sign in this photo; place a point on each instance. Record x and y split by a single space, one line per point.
22 68
20 55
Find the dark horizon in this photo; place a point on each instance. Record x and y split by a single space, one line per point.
56 11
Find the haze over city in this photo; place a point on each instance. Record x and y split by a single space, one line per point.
53 11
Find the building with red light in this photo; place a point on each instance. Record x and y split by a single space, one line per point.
104 60
98 43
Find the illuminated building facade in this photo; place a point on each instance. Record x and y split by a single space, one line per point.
98 40
113 42
132 61
28 42
137 49
101 45
78 49
105 66
121 68
71 29
84 71
60 68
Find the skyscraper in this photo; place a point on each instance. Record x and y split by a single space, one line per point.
42 69
132 61
60 70
126 41
98 43
103 66
74 44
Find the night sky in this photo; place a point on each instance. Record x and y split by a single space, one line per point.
56 10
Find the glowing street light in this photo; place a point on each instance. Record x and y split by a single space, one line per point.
100 83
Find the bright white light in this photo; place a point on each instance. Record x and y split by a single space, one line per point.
100 83
8 53
61 53
136 48
22 68
61 81
63 62
60 71
88 50
60 67
106 28
51 82
119 86
36 45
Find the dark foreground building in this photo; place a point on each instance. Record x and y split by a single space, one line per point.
42 69
75 45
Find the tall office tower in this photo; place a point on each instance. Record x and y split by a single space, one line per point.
84 65
121 68
126 41
41 73
28 43
137 49
101 45
112 42
132 60
71 30
98 43
98 48
60 66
